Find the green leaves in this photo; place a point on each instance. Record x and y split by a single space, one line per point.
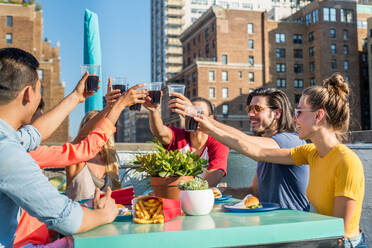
164 163
194 184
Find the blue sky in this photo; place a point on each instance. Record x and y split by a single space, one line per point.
125 40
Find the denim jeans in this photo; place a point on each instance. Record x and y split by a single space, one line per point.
356 242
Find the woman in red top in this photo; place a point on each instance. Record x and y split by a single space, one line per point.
174 138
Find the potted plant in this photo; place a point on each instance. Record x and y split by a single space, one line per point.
195 196
167 168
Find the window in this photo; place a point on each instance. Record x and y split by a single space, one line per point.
240 124
280 83
312 81
297 53
280 38
188 79
207 50
194 92
9 38
315 16
212 77
9 21
206 33
312 67
251 77
225 93
213 27
297 38
225 109
370 33
298 83
240 75
251 60
225 76
297 98
298 68
346 49
213 43
280 52
188 94
347 15
212 92
250 44
311 51
194 77
224 59
346 65
199 53
308 19
250 28
364 57
311 36
332 32
329 14
194 42
188 61
346 34
333 48
42 91
241 107
347 78
40 73
333 64
240 91
280 67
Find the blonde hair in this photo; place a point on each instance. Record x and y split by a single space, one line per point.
333 97
108 153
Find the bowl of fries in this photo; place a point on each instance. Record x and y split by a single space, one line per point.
148 211
197 202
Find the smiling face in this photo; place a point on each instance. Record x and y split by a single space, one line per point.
263 121
305 119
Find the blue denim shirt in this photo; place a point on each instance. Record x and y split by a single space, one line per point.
22 185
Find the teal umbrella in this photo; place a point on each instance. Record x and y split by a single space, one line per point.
92 55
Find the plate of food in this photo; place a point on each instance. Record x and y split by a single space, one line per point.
124 213
251 204
218 196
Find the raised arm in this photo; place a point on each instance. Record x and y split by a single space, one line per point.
244 146
50 121
69 154
160 131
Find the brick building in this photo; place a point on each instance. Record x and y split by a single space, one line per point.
227 53
22 27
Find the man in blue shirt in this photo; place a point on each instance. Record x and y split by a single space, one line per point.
22 184
270 114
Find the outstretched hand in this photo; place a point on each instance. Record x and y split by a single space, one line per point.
106 204
111 95
133 96
177 104
81 90
206 123
152 106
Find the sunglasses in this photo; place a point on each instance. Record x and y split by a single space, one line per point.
255 108
298 111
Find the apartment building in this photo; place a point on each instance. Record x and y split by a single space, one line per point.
169 18
227 53
22 27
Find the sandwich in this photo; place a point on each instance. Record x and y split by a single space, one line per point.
252 202
216 192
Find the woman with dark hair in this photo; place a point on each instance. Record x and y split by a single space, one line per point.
205 146
336 184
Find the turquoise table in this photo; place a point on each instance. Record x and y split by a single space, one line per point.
220 229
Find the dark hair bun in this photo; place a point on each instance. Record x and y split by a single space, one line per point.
336 85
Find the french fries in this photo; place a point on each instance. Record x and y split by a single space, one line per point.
149 211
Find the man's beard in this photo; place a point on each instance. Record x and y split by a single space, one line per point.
268 128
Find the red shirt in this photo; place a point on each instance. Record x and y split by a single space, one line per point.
214 152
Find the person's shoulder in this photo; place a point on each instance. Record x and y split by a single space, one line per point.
348 157
288 140
212 142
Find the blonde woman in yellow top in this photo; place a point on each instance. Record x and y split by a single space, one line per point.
336 183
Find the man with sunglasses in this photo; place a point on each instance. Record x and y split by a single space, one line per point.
270 114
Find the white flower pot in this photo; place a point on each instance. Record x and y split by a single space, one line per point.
197 202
